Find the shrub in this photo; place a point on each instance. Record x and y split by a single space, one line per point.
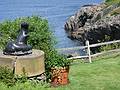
7 76
110 47
40 36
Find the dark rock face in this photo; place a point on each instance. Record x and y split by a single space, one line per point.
104 30
83 18
88 24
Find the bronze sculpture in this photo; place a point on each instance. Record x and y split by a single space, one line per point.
19 47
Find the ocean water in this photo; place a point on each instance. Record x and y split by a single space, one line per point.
55 11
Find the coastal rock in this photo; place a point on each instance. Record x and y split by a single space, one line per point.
86 15
90 24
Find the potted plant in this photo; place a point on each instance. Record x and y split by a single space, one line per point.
59 68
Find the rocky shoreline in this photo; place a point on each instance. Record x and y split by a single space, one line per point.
96 23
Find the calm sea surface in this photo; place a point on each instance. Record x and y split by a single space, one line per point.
56 11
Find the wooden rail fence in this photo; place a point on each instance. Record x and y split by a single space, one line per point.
87 47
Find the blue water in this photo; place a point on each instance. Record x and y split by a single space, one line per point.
56 11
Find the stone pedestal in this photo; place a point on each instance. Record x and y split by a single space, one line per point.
32 64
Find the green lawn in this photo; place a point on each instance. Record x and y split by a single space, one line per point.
102 74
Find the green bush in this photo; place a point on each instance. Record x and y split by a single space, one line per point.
40 37
110 47
7 76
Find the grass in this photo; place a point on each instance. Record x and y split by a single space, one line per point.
102 74
109 2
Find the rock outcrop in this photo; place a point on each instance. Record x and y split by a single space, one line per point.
86 15
89 23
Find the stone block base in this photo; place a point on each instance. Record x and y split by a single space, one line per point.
32 64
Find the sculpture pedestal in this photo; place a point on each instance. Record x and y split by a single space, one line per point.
32 64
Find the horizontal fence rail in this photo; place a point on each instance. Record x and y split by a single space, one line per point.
105 43
88 46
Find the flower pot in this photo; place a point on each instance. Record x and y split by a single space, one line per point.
59 76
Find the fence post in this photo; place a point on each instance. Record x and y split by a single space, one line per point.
88 51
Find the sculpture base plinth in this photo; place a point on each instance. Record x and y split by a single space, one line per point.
32 64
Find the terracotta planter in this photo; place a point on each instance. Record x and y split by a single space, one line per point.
59 76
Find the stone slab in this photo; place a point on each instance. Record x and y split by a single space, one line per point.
32 64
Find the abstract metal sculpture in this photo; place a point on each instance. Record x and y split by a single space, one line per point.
19 47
